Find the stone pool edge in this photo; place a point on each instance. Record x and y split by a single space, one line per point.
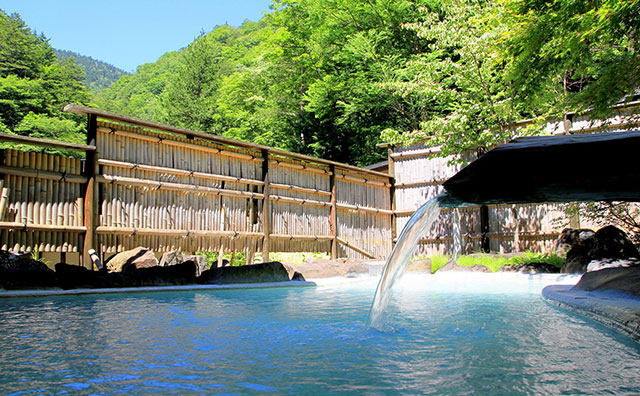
145 289
616 310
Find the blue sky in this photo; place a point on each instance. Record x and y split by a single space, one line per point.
128 33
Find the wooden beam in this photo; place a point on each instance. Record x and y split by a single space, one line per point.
392 194
17 226
356 249
302 237
178 172
180 187
5 137
484 229
266 207
77 109
333 215
90 191
176 233
40 174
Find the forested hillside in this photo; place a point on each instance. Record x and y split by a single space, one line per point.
333 78
98 75
35 85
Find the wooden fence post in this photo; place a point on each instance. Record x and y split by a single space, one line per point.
333 214
266 207
484 229
90 204
392 194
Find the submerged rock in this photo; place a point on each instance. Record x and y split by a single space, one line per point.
253 273
21 271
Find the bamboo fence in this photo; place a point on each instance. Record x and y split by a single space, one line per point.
168 188
419 173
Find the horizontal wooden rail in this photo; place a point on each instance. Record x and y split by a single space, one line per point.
492 235
131 231
84 110
364 209
302 237
356 249
40 174
298 201
311 202
40 227
362 180
5 137
185 188
305 168
416 153
300 189
175 143
179 172
420 184
526 235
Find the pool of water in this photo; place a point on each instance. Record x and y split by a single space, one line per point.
450 335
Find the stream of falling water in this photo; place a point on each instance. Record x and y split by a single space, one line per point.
416 227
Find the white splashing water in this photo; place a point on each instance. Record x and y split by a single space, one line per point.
416 227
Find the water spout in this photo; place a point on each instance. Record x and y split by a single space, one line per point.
416 227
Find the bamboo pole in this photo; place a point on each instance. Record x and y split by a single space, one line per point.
168 232
364 209
300 237
305 168
178 172
362 180
299 201
186 188
291 187
357 249
175 143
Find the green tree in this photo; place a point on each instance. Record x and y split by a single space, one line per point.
21 52
34 86
572 55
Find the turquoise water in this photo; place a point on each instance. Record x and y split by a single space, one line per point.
480 337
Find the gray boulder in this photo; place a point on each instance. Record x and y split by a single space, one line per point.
201 262
530 268
21 271
607 247
621 279
171 258
137 258
253 273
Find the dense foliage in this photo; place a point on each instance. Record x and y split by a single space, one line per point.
98 75
34 85
333 78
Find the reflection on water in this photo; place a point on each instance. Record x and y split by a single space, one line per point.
486 337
